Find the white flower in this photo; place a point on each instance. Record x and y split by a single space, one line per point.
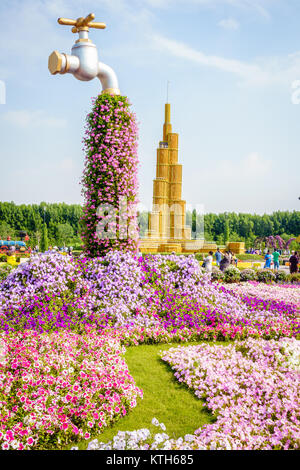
189 438
155 422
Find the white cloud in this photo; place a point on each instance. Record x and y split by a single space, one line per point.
229 24
246 71
33 119
249 169
263 72
261 7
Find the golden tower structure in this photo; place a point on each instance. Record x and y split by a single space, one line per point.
167 231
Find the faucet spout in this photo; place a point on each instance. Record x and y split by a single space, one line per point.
83 63
108 79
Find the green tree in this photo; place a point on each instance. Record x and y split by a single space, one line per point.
44 239
6 231
194 224
226 232
64 233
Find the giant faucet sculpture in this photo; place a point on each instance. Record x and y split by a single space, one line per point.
84 63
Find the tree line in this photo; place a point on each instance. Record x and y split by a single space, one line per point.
64 227
61 220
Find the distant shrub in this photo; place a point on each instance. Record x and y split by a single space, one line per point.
281 276
295 277
232 274
248 275
217 274
5 271
248 256
266 275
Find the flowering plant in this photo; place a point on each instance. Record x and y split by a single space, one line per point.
110 176
61 388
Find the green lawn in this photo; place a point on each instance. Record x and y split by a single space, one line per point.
164 398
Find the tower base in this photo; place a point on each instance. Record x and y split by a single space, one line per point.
175 246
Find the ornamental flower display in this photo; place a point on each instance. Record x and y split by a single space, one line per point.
60 315
52 292
109 182
61 388
251 387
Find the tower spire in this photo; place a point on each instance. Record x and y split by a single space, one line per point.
167 123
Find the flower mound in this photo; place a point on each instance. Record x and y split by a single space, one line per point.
61 388
151 297
110 175
251 387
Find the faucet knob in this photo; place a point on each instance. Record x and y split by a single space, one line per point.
82 24
55 62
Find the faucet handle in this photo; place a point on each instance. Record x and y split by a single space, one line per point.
82 24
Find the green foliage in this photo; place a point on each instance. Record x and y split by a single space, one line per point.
5 270
246 257
217 274
247 227
226 232
242 227
248 275
266 275
44 240
64 233
232 274
30 218
281 276
6 230
294 278
3 258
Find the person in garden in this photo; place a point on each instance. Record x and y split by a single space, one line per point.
218 256
208 262
225 262
276 256
236 260
294 261
268 260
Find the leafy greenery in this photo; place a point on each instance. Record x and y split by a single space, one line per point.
44 240
242 227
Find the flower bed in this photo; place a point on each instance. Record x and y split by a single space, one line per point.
251 387
52 293
61 388
286 293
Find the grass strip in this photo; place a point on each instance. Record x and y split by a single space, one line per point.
171 402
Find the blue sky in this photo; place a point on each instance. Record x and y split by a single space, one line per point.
231 64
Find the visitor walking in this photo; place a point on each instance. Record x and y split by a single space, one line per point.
294 261
208 262
225 262
218 256
269 259
276 256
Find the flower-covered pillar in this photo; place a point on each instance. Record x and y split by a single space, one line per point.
110 177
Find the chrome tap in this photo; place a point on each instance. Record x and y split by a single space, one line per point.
83 63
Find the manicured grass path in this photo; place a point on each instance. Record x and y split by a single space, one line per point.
171 402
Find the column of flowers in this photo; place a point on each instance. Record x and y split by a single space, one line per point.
110 177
